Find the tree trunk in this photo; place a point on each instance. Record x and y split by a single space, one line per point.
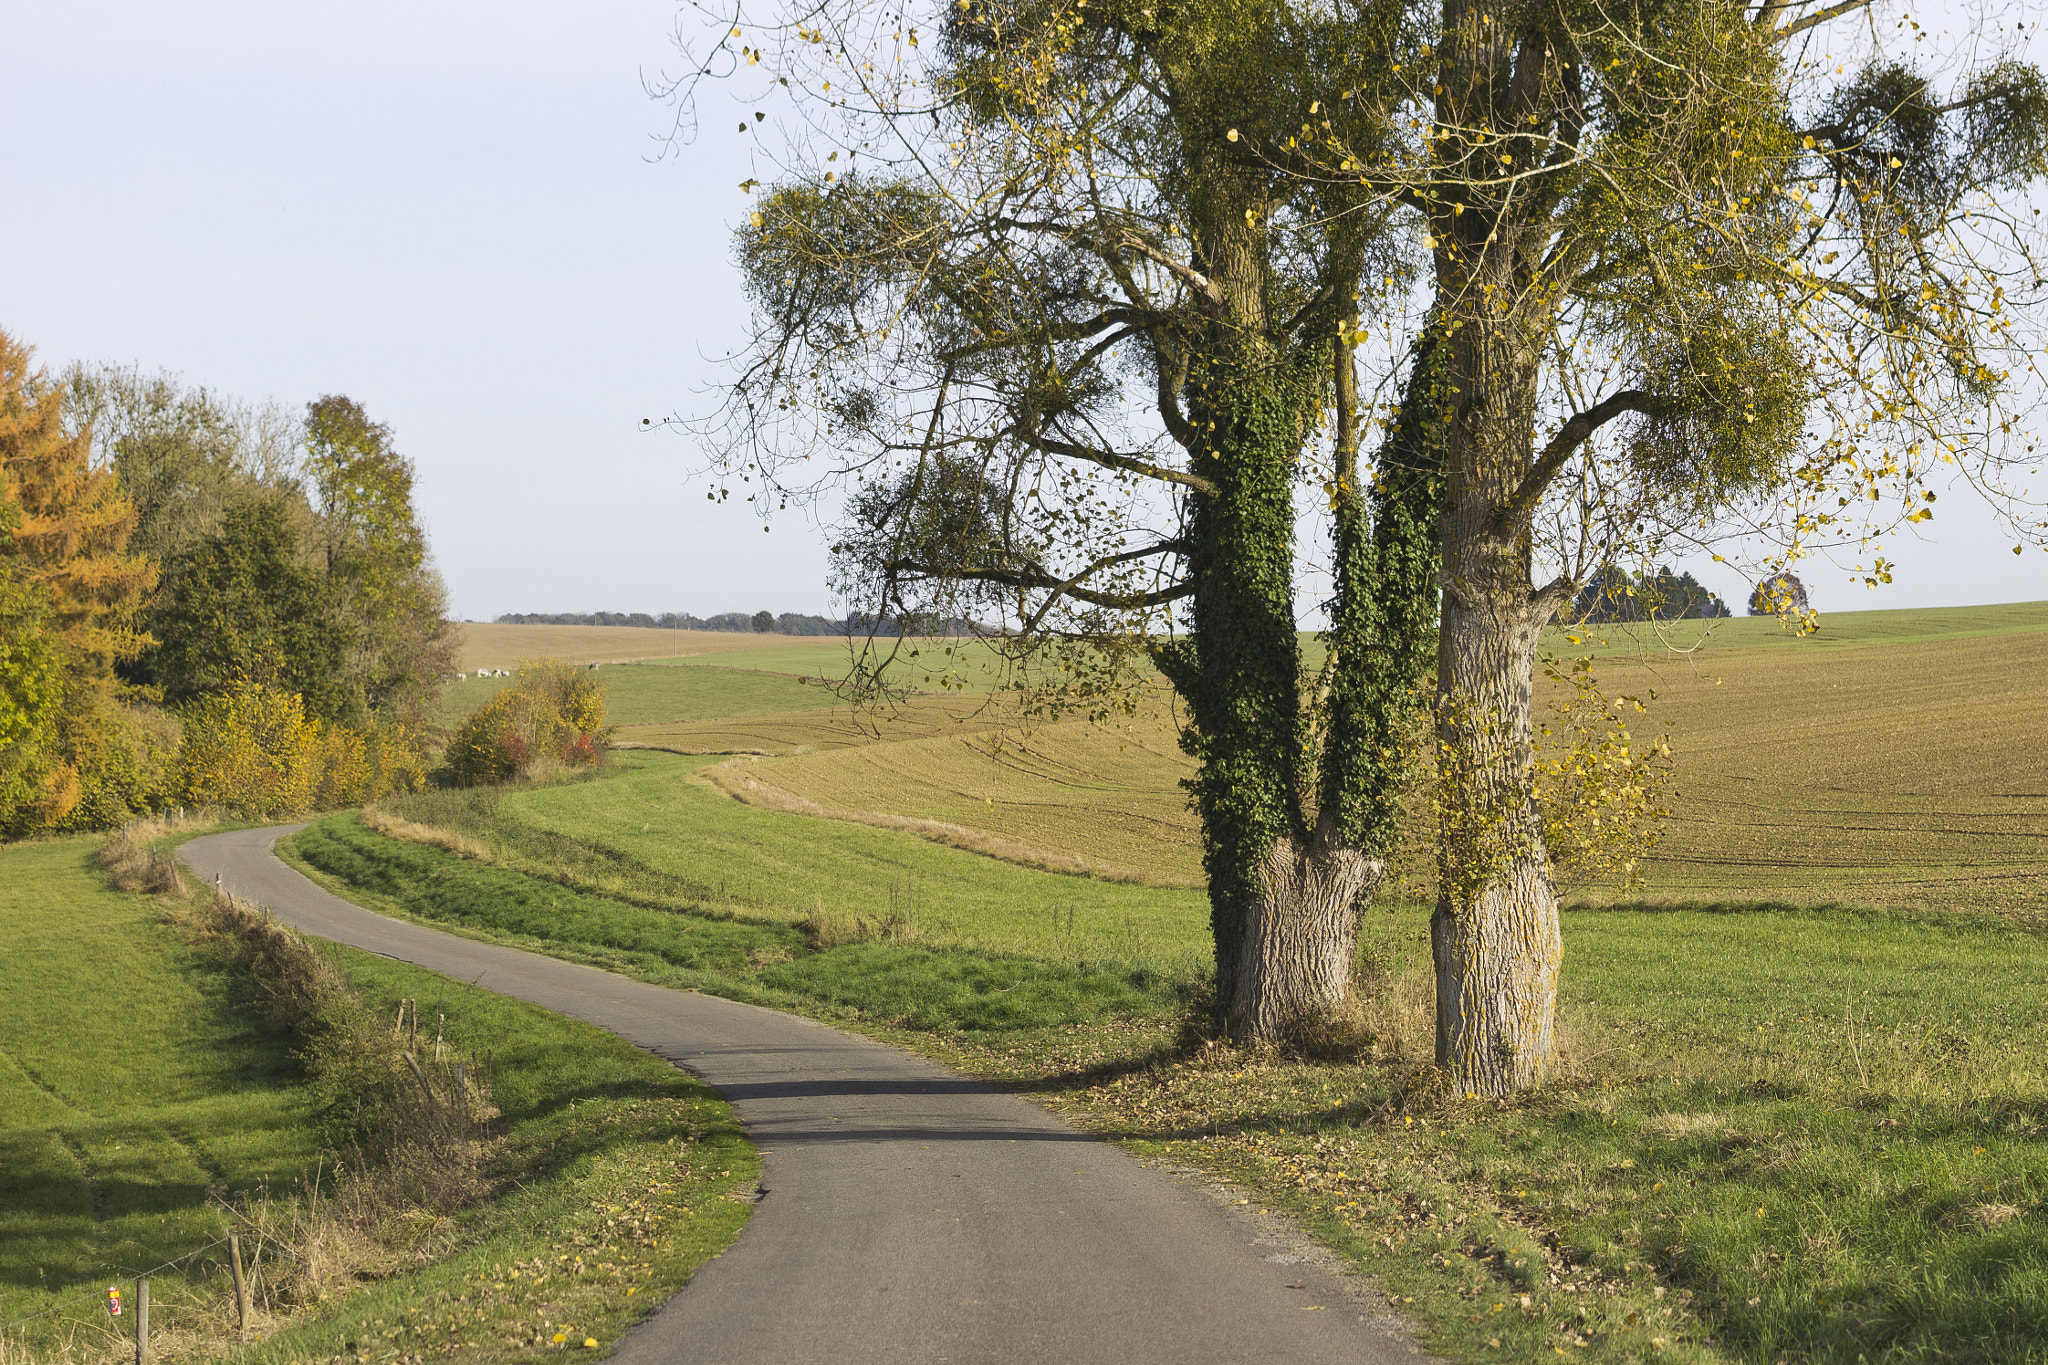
1495 933
1300 936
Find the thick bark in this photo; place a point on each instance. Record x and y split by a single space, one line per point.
1497 943
1495 933
1300 936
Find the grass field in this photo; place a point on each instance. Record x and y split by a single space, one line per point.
1897 758
638 694
1781 1132
143 1110
657 826
490 645
1802 1113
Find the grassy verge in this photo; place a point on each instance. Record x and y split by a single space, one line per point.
1783 1133
145 1111
131 1090
618 1170
646 833
890 978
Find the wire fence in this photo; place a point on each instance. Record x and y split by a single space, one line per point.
100 1296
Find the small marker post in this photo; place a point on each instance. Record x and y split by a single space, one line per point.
241 1287
142 1320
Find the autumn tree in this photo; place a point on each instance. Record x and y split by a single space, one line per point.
71 538
67 545
1072 293
390 601
31 699
182 454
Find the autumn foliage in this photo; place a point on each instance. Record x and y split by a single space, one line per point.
553 715
243 649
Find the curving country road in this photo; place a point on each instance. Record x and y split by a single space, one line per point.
910 1215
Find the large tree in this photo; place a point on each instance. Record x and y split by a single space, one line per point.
244 604
1070 292
388 596
77 583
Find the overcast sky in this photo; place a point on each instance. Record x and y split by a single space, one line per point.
449 213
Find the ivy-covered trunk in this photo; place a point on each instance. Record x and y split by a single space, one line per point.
1243 688
1495 934
1287 884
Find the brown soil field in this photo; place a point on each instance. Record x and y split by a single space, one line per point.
1901 761
1913 774
489 645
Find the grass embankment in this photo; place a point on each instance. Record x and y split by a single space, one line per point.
649 830
874 968
1785 1131
147 1112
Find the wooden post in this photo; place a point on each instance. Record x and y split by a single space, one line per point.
142 1320
241 1287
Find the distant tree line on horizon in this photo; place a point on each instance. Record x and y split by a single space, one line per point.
760 622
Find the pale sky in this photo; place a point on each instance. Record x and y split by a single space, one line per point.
449 213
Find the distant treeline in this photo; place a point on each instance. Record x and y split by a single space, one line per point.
761 622
1614 594
765 623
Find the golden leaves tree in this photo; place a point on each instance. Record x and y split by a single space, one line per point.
69 545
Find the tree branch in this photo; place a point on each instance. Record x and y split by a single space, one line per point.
1819 16
1111 459
1573 434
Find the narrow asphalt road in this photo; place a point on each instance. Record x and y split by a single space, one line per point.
910 1215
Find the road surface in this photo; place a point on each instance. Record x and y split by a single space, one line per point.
909 1215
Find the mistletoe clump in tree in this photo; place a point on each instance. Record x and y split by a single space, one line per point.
1071 290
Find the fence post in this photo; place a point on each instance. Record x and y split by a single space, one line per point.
241 1287
142 1320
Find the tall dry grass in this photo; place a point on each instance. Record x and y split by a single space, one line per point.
742 786
398 827
133 860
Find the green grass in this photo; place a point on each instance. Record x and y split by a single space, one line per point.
614 1159
1719 1175
637 694
1784 1132
130 1085
137 1093
646 824
909 984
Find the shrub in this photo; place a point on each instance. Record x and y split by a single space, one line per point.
126 758
553 714
253 750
